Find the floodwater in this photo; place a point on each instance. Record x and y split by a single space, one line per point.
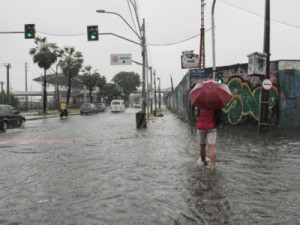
92 170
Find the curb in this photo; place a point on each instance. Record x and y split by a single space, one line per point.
45 117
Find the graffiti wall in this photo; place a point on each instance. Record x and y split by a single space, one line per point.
245 103
244 107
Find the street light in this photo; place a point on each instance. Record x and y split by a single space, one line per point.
143 44
103 11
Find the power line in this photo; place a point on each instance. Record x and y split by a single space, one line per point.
248 11
178 42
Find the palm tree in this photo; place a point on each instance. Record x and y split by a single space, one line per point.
70 63
44 54
92 79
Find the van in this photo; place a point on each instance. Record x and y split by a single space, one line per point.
117 105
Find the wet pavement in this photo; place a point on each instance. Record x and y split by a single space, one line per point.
100 169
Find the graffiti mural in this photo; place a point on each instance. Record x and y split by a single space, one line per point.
245 103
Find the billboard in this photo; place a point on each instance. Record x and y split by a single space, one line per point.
189 60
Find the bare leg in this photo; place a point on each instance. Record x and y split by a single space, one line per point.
202 152
212 156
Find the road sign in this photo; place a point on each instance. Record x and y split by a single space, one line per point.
198 73
267 84
120 59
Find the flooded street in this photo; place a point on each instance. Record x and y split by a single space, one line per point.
94 170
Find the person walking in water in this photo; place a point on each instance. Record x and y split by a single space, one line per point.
207 134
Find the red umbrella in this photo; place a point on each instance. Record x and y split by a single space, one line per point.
210 95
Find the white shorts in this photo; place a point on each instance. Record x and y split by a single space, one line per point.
207 136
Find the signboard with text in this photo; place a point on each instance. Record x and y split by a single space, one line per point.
120 59
189 60
267 84
197 73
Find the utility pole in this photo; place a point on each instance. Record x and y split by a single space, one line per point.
2 93
265 94
26 103
155 90
159 96
213 38
151 101
8 66
202 39
144 66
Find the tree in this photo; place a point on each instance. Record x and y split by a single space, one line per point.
13 100
92 79
70 63
128 81
44 54
111 91
101 84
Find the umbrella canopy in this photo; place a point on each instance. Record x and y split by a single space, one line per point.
210 95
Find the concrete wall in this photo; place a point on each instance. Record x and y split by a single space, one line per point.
244 107
289 95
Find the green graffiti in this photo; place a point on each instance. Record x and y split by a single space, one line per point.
246 102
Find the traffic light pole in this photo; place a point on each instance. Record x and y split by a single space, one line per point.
142 38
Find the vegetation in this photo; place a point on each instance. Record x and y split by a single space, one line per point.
44 54
92 80
13 100
128 81
70 63
111 91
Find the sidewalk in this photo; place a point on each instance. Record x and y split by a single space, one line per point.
34 116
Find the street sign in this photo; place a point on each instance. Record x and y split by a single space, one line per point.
198 73
120 59
267 84
151 94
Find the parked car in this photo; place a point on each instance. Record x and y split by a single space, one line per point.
88 108
117 105
10 117
101 107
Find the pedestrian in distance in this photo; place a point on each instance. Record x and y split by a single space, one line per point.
208 121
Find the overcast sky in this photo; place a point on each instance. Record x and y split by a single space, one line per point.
239 32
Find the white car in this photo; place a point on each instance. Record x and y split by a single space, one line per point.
137 105
117 105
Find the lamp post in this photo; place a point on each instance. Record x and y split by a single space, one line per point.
143 45
159 96
103 11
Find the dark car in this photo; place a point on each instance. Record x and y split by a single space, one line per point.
101 107
88 108
10 117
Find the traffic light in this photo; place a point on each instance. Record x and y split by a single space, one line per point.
220 77
92 32
220 80
29 31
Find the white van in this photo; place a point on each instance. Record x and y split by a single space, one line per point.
117 105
